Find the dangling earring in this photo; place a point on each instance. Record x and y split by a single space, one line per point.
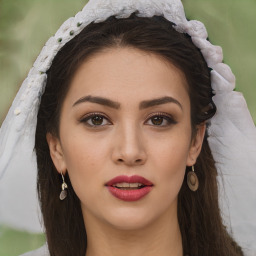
192 180
64 186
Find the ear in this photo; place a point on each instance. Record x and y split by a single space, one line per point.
56 153
196 144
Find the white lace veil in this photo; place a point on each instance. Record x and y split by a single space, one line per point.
232 133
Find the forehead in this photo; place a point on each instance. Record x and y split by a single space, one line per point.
121 73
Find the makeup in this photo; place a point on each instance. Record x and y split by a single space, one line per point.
129 188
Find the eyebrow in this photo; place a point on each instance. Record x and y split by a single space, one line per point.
113 104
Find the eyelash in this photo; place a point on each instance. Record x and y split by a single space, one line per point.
170 120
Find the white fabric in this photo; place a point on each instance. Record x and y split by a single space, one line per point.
235 155
232 131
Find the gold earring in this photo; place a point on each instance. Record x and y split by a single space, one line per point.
64 186
192 180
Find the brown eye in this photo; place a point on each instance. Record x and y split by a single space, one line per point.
97 120
94 120
157 120
161 120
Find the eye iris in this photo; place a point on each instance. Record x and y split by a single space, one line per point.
97 120
157 120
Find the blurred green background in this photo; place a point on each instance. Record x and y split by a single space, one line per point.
25 25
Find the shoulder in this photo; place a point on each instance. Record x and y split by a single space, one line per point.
42 251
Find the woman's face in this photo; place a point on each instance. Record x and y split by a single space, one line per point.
127 112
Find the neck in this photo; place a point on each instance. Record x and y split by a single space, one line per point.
163 237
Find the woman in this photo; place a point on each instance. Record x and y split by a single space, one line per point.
124 165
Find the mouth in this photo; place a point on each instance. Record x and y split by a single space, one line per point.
129 188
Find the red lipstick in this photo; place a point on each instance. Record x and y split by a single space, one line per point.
129 188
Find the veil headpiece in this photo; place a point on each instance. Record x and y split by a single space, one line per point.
232 133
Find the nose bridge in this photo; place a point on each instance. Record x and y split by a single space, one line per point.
130 148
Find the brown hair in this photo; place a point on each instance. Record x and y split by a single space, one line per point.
203 232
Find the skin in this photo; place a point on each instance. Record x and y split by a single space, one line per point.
127 142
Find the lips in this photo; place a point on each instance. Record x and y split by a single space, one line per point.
129 188
129 179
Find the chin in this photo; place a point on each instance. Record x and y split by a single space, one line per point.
130 219
130 224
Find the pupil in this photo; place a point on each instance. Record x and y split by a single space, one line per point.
157 120
97 120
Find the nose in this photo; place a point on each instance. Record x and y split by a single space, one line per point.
129 148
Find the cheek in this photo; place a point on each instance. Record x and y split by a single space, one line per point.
170 158
87 158
82 157
173 163
82 150
84 172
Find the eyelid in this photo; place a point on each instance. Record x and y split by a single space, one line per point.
163 114
159 114
92 114
170 119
